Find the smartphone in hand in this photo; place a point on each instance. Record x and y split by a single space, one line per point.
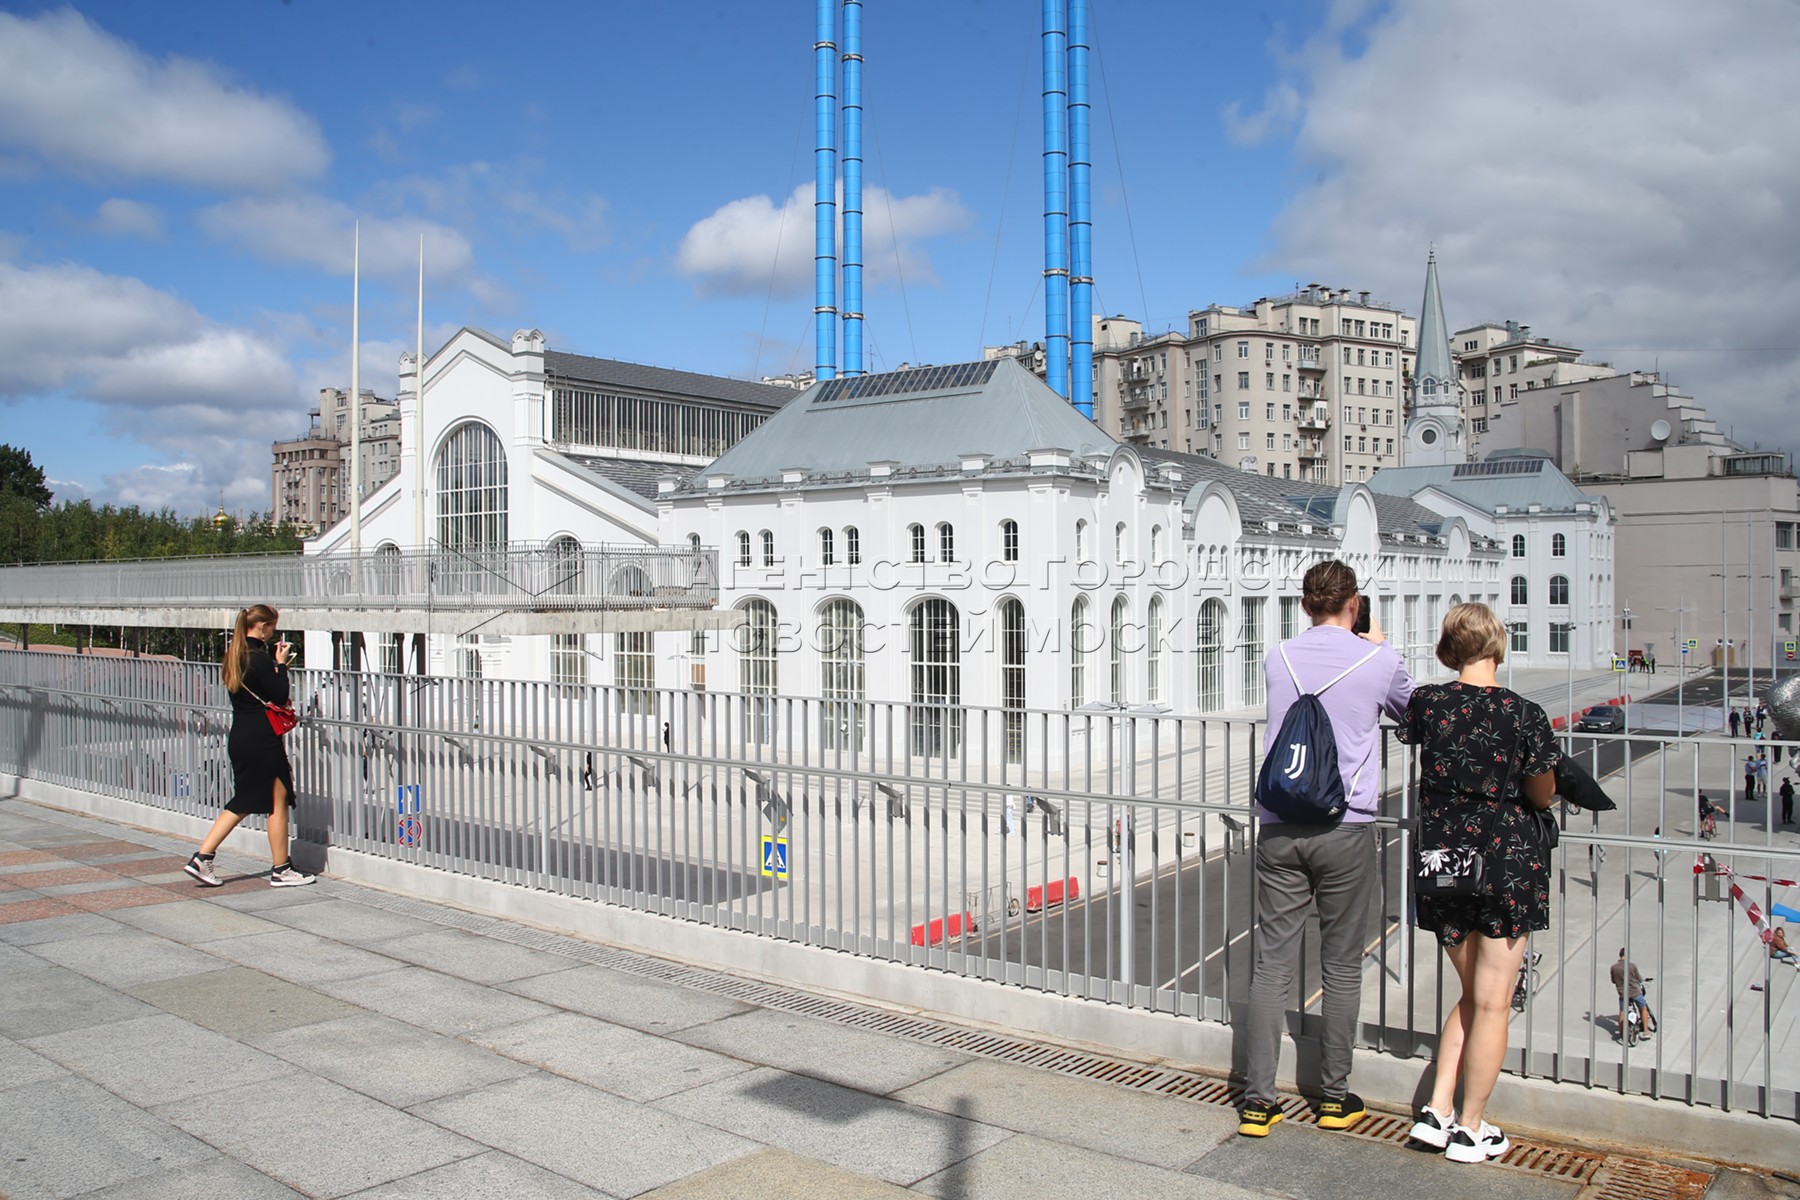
1362 613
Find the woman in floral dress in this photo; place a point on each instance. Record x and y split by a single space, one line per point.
1487 758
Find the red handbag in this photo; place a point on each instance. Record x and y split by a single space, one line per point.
282 717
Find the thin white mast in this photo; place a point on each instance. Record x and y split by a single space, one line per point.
419 412
356 394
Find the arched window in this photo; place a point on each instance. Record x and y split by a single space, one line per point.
743 548
1119 542
1559 589
387 571
471 489
827 549
1009 541
915 536
694 542
852 546
1209 655
1156 544
768 548
1521 592
757 677
1081 546
936 679
841 675
1078 651
946 542
1559 546
563 556
1116 638
1012 677
1518 545
1153 691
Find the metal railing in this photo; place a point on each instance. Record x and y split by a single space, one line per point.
512 578
1097 855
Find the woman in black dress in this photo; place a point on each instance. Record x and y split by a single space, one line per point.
1486 759
265 781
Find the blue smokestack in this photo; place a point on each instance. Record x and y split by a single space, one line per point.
853 170
825 194
1056 198
1081 218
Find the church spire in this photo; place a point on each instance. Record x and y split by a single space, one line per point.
1434 338
1434 430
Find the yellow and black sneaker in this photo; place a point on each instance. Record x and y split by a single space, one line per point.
1342 1112
1257 1117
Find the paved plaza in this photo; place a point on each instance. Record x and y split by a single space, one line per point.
161 1040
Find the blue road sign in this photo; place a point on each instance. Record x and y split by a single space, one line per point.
410 831
775 856
406 799
181 785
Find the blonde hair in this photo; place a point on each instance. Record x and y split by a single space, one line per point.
237 654
1471 632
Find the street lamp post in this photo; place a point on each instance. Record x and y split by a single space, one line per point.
1680 610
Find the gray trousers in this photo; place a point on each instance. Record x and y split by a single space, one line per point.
1300 867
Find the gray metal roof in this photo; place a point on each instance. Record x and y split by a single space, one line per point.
1434 337
633 474
1487 485
1259 498
637 379
925 419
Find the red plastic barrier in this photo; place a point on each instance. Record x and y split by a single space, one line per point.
954 925
1054 892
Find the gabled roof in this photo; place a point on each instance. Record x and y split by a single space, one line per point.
638 379
1516 481
923 419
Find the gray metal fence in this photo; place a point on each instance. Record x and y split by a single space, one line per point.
1105 856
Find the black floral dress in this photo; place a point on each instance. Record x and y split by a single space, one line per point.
1470 739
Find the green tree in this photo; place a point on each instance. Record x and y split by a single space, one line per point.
19 476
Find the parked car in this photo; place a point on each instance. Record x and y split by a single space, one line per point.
1602 718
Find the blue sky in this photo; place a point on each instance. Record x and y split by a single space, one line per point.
178 182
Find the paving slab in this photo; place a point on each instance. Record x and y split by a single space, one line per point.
622 998
613 1058
389 1060
621 1147
260 896
852 1057
21 1065
122 958
49 999
1157 1130
473 957
347 921
300 957
1050 1170
1312 1164
241 1003
193 922
838 1125
69 923
120 897
64 1137
490 1176
777 1173
220 1177
315 1136
187 1060
436 1002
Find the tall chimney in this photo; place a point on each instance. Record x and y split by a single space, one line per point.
825 193
1056 198
853 168
1081 219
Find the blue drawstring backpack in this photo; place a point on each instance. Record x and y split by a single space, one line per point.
1299 781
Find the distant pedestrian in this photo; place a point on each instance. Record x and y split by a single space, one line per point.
1762 714
1734 719
668 737
1749 776
1787 800
1652 659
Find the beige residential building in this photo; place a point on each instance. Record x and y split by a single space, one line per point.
1309 386
310 477
1499 361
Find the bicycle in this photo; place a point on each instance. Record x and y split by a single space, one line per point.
1528 980
1640 1022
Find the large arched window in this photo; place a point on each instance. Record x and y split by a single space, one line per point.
471 489
1153 691
1078 652
1012 676
1209 655
757 678
1009 541
1559 546
1521 591
936 679
1559 589
841 676
1116 639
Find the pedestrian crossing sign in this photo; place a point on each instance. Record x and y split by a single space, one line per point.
1618 663
775 856
1691 644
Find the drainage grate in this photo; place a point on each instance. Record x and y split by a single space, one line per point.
1636 1179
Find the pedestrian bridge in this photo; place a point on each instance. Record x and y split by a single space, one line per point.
519 589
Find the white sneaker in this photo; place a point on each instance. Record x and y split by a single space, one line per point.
201 869
1468 1146
1433 1127
288 877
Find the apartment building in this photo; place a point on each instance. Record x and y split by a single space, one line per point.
1498 360
310 476
1309 386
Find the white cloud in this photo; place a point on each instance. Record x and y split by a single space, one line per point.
1623 182
1280 108
734 250
74 95
128 218
318 231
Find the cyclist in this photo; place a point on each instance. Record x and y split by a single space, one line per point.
1630 985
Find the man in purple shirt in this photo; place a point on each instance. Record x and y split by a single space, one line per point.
1330 868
